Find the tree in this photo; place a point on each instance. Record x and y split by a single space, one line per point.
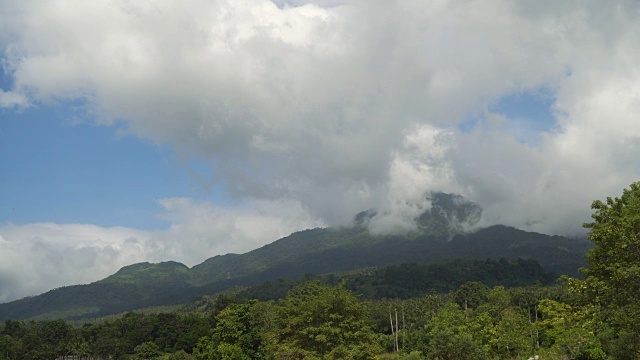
453 336
179 355
147 351
612 281
512 332
188 330
10 348
569 330
506 328
471 294
57 335
238 333
34 344
13 328
319 321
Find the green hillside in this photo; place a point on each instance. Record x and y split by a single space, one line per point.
438 238
315 251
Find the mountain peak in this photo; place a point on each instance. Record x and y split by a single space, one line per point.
449 214
362 218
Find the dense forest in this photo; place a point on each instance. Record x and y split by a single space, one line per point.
462 309
318 321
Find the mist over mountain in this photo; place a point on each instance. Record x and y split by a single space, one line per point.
443 232
442 214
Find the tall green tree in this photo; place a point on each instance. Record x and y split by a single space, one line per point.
471 294
238 333
504 327
452 335
322 322
569 330
612 281
57 335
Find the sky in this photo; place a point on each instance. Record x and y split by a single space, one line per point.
166 130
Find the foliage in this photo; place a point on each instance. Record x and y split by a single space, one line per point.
178 355
317 251
147 350
569 330
318 321
414 279
612 281
451 336
471 294
613 277
238 332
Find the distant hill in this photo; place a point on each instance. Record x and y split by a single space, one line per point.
440 237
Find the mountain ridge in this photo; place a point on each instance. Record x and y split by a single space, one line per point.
145 284
317 251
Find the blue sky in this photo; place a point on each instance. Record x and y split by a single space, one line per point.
60 167
529 113
534 108
182 130
55 170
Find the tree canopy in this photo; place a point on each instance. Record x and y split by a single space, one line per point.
614 273
612 282
323 322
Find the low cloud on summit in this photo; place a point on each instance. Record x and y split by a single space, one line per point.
308 113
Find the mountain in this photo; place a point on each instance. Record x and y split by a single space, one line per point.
448 215
413 279
132 287
439 237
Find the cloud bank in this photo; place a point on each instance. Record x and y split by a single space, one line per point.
35 258
337 108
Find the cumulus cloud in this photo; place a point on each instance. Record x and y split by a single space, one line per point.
343 107
35 258
201 230
38 257
420 167
10 99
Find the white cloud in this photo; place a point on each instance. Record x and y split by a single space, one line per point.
340 108
35 258
420 167
38 257
10 99
202 230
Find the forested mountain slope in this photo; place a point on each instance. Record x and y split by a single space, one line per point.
318 251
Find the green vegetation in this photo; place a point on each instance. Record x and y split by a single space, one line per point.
612 281
462 309
411 280
317 321
317 251
320 322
